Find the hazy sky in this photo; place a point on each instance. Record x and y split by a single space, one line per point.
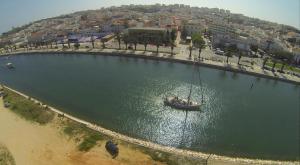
19 12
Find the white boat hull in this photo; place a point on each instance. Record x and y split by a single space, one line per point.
183 104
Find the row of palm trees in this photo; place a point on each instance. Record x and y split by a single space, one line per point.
283 57
145 40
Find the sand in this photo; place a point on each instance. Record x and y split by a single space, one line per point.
33 144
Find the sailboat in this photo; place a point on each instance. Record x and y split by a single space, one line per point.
183 104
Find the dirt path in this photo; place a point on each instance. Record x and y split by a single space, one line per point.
33 144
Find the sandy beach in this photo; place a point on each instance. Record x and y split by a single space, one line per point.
33 144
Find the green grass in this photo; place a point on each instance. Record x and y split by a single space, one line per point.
6 157
165 157
88 137
287 67
27 109
89 142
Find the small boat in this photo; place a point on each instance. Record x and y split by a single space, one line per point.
10 66
183 104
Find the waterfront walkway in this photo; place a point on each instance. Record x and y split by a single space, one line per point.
181 57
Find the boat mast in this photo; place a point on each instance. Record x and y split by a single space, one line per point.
189 97
201 87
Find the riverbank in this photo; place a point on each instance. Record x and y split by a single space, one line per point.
253 70
31 143
154 148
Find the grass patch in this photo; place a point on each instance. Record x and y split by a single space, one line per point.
165 157
27 108
89 142
287 67
6 157
88 137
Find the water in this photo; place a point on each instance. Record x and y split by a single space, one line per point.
125 95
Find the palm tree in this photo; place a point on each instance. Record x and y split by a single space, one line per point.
285 57
191 49
240 56
172 48
119 39
198 42
229 50
126 40
69 46
254 48
158 43
93 41
228 54
265 62
51 43
77 45
274 64
103 43
145 45
283 64
135 42
145 42
46 42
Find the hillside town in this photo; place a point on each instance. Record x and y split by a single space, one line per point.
177 29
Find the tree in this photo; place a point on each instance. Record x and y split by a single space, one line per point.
269 43
191 49
183 33
119 39
77 45
265 62
134 40
69 45
158 42
285 57
173 35
172 47
198 42
126 39
145 42
283 64
274 64
229 50
103 42
240 56
93 41
51 43
228 53
254 48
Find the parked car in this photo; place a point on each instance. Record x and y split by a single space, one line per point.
219 52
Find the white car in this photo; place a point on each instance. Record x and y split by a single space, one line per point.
219 52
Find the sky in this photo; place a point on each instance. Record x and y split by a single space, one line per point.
19 12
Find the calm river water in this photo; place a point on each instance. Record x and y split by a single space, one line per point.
125 95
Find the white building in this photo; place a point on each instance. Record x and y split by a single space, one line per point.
193 28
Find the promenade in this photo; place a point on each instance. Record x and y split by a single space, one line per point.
207 59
